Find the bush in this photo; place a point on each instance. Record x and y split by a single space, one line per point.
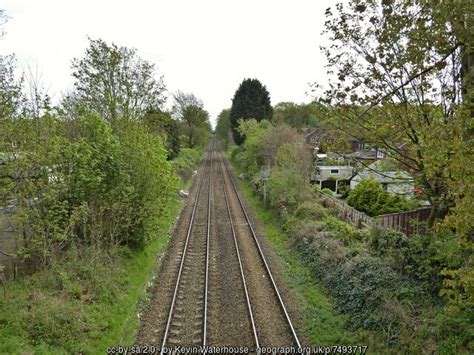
317 246
310 210
79 181
151 179
345 231
369 197
368 284
285 189
422 258
328 192
365 294
344 190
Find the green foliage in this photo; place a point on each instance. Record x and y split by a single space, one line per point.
115 83
368 281
285 189
423 52
186 162
78 182
11 97
78 302
194 124
422 258
162 124
299 116
251 100
250 156
385 281
282 153
369 197
292 153
223 132
310 210
388 287
344 190
150 176
327 191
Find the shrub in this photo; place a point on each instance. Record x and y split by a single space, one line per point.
369 197
151 180
327 191
285 189
345 231
318 246
80 182
368 283
344 190
422 258
364 287
310 210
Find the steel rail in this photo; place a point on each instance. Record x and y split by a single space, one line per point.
204 336
183 257
244 282
275 288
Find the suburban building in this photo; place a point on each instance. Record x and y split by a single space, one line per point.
332 176
397 182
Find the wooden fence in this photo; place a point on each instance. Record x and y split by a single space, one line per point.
348 213
410 222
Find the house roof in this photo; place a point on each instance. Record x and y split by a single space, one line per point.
384 172
363 154
388 177
312 131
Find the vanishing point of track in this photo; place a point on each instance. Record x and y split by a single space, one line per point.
188 322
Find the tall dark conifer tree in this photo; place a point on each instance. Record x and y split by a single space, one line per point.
251 100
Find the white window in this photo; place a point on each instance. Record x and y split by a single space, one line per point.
380 154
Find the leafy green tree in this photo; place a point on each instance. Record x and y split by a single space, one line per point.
251 100
11 98
223 132
193 119
162 124
115 83
299 115
398 67
250 154
281 152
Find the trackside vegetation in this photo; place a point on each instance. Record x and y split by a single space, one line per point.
89 192
387 289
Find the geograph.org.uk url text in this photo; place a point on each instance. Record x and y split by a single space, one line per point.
151 349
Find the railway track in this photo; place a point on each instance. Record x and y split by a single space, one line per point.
274 287
187 316
224 292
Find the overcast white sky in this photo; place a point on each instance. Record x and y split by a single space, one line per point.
206 47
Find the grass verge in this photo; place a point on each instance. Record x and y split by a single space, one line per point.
83 303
